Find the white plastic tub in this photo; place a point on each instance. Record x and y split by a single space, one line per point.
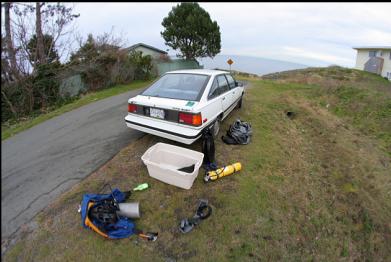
164 160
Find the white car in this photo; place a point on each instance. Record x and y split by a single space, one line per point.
181 104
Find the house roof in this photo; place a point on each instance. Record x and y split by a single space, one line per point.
373 47
146 46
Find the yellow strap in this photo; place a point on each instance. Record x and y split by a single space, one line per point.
91 225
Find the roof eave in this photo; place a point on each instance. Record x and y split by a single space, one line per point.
372 47
146 46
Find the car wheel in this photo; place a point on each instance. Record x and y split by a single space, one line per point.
216 128
240 102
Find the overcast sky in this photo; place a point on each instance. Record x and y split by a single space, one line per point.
315 34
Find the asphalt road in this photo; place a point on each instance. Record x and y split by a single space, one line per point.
42 162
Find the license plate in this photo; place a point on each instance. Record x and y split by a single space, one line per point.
158 113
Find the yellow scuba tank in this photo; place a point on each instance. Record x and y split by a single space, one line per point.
221 172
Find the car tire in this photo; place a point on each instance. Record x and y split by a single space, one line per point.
240 102
216 128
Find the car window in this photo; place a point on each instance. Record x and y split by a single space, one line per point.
231 81
178 86
219 86
171 82
223 83
214 90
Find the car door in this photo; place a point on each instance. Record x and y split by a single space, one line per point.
235 92
215 99
226 97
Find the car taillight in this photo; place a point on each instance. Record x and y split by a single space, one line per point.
190 119
132 108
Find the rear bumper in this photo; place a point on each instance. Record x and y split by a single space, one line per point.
172 131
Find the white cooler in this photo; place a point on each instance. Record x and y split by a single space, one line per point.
164 160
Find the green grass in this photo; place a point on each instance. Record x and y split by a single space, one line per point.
360 98
312 188
8 130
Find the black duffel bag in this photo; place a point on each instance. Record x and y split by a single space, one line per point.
238 133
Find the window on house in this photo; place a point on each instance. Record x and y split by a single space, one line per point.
372 53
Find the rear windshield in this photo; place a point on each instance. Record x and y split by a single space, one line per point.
178 86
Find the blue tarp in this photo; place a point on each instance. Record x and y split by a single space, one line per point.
124 226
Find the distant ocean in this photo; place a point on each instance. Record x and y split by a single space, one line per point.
249 64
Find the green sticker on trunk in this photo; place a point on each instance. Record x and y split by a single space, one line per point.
190 103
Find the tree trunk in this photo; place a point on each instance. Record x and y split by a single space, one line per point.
41 57
30 92
9 42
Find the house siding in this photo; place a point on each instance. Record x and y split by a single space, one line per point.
363 56
177 64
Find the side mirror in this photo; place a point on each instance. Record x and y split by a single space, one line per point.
238 83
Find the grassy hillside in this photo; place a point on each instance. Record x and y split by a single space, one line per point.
313 187
362 99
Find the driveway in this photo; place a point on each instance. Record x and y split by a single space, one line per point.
42 162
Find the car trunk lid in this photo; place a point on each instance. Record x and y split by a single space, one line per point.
162 108
166 103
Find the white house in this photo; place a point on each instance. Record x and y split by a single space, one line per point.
375 59
162 63
148 50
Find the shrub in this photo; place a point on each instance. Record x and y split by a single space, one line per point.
105 64
32 94
101 63
142 63
46 85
